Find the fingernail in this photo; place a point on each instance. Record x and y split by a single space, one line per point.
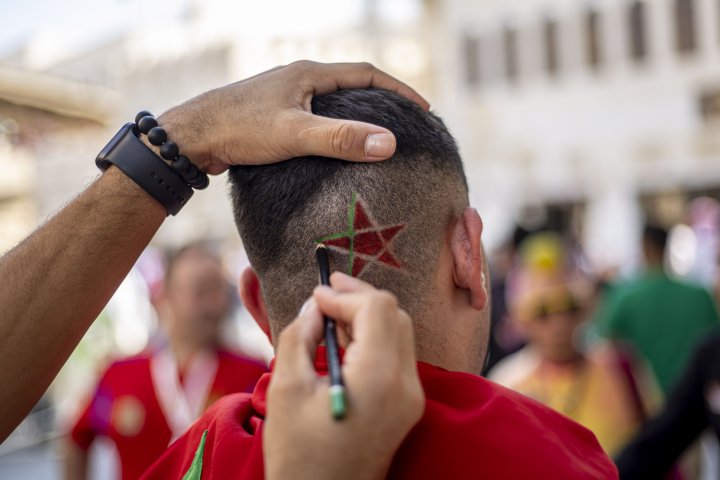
379 145
305 306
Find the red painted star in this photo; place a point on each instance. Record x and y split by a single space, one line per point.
364 241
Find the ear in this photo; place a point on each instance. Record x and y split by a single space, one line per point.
251 296
468 256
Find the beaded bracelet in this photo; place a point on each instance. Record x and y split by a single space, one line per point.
169 150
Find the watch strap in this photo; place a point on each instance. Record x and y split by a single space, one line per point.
127 152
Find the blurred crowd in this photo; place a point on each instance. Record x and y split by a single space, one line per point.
633 358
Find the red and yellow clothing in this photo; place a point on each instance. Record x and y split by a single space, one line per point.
126 407
593 391
471 428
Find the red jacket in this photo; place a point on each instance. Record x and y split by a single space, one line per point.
126 409
471 428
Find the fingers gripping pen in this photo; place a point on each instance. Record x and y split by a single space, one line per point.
337 388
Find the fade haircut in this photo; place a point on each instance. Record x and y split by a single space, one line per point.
403 205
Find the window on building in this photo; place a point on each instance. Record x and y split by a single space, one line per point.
637 30
510 44
592 38
685 33
471 60
709 102
550 44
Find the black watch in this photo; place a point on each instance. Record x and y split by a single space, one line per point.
127 152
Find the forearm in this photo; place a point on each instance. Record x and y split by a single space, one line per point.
57 281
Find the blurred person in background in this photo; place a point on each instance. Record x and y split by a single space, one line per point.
704 220
550 301
660 317
144 402
692 406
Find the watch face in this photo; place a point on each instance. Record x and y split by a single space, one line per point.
101 161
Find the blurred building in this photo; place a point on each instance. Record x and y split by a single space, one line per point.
606 108
109 77
17 195
44 119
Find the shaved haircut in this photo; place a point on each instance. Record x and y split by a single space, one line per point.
383 222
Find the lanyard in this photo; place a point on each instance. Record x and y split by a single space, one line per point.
182 404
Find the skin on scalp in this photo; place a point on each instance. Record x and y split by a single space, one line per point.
281 210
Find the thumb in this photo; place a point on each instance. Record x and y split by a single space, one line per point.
343 139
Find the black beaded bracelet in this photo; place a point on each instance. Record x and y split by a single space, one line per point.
169 150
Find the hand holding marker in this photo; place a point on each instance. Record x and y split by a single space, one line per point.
337 388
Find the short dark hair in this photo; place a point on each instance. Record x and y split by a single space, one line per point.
406 203
656 236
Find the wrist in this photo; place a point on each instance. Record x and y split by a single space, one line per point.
122 186
185 126
172 183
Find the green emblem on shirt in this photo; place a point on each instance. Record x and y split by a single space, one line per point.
195 470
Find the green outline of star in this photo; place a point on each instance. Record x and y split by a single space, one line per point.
350 233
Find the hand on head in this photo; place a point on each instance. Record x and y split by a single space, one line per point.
264 119
267 118
385 399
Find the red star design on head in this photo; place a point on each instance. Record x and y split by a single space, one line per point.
364 241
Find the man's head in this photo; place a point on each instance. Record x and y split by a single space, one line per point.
547 299
196 296
654 242
401 224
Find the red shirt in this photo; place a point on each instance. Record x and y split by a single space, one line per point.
126 409
471 428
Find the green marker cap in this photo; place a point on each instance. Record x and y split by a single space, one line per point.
337 401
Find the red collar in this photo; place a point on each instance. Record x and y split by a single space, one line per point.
259 400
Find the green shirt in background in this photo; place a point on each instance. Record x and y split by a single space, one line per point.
662 318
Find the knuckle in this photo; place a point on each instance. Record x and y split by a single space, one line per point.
367 66
387 300
343 139
301 65
302 70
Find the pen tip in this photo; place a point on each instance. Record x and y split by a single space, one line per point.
320 245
